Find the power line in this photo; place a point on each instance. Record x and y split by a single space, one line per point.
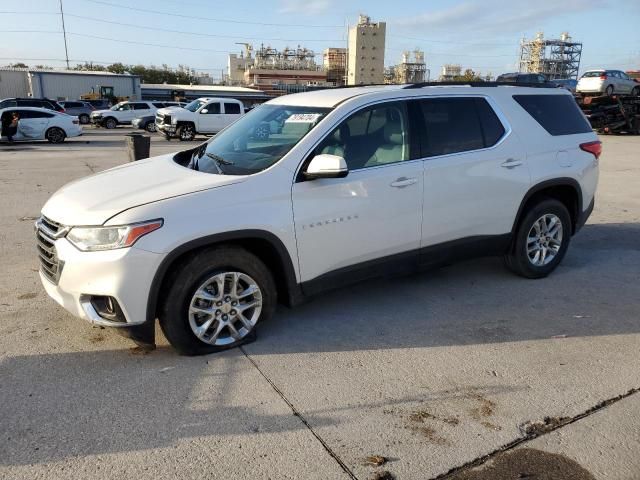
132 42
182 32
209 19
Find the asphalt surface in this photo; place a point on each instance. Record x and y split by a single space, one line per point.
466 371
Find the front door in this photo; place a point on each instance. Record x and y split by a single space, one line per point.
372 214
211 118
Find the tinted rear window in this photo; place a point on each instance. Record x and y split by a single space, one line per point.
557 114
231 108
592 74
458 125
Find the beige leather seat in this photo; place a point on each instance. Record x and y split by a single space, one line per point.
392 149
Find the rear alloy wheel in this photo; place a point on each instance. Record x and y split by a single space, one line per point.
110 123
609 90
55 135
150 127
84 118
215 299
635 91
541 240
186 133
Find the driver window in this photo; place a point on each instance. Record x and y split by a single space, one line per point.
372 137
212 108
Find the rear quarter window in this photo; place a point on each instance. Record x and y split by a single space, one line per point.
557 114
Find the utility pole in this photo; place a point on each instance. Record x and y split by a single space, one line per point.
64 33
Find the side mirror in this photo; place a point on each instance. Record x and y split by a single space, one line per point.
204 110
326 166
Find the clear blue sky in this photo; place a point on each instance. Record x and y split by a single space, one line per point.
480 35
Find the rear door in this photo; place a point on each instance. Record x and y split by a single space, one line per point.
32 124
231 112
140 109
210 118
475 170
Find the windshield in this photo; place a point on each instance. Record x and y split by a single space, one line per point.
195 105
120 106
257 140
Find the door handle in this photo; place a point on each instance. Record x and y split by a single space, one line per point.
511 163
403 182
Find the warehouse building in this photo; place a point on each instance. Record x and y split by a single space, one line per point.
64 84
164 91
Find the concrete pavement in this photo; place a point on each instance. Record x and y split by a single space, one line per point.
432 372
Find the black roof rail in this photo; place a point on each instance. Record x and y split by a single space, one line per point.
479 84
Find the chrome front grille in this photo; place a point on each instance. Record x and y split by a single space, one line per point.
46 233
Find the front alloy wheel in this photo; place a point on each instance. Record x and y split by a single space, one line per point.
225 308
110 123
186 133
214 300
151 127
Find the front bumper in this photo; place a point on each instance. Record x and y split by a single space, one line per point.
167 129
96 120
125 274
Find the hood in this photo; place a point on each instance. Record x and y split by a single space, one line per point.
100 112
168 110
94 199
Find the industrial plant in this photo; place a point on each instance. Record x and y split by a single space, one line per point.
554 58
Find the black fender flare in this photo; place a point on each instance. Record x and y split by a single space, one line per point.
294 292
555 182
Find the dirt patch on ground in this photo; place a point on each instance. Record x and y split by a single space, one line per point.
96 338
137 350
546 425
422 415
375 460
526 463
382 476
431 434
485 408
27 296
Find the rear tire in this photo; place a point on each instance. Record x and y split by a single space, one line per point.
110 123
55 135
193 291
635 92
541 240
84 119
608 91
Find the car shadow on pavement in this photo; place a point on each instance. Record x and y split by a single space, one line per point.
56 406
595 291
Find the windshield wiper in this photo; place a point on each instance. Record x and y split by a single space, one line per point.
218 161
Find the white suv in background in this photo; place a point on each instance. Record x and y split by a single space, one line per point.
353 183
205 116
123 113
608 82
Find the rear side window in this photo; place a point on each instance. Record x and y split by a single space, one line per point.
231 108
557 114
492 128
452 126
160 105
139 106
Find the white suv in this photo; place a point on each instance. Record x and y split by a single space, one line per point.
608 82
123 113
355 183
205 116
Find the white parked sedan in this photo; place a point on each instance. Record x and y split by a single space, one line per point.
40 124
608 82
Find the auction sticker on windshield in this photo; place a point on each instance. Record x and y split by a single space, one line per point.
303 118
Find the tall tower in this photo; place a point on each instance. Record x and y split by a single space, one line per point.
366 52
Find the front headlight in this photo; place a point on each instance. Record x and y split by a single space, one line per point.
92 239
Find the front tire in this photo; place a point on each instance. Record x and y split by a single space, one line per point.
150 127
215 299
110 123
635 92
84 119
55 135
609 91
541 240
186 133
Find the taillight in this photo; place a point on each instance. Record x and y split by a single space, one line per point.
594 148
603 76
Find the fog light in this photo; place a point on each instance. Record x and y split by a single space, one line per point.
108 308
